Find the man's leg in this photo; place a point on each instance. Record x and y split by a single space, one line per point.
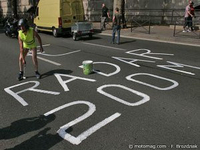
34 59
104 25
189 24
35 63
21 65
118 35
185 24
103 19
101 23
113 34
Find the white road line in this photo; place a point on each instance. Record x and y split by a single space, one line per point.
44 45
121 49
49 61
57 55
50 55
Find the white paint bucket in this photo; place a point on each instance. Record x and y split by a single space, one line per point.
87 67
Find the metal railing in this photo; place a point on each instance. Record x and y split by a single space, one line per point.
144 24
145 18
158 16
179 19
194 29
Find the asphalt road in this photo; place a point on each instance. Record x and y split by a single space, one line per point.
142 95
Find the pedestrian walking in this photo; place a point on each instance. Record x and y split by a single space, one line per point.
104 16
117 19
26 39
189 14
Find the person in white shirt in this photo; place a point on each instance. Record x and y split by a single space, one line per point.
189 14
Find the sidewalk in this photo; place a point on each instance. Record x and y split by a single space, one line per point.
159 34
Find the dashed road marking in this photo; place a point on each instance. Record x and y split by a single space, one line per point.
49 61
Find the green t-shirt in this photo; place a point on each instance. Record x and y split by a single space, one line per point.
28 38
117 20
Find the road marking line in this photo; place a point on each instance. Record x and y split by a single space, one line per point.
49 61
57 55
104 46
15 94
44 45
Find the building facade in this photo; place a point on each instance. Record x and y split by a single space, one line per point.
93 7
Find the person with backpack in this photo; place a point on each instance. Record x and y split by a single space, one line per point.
26 39
117 19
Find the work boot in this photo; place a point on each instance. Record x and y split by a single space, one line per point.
20 76
37 74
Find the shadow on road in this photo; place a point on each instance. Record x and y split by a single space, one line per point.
124 42
52 72
41 141
24 126
86 38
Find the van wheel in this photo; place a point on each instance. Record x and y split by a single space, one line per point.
55 32
74 36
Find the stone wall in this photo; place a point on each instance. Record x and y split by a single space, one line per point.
159 11
93 7
162 8
157 4
5 7
23 6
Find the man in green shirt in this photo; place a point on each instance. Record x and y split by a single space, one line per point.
26 40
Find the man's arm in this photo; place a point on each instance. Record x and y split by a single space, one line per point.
108 13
